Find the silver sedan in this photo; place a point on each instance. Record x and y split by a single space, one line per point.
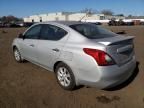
78 53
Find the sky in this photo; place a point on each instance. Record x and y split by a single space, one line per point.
23 8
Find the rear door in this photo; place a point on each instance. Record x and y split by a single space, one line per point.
50 45
28 45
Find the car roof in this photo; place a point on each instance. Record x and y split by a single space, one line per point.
67 23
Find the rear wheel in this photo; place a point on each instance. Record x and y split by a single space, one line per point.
17 55
65 76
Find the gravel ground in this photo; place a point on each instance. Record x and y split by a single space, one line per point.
26 85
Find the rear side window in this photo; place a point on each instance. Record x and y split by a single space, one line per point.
51 32
92 31
33 33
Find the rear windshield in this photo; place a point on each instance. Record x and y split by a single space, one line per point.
92 31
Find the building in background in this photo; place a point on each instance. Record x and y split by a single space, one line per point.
70 16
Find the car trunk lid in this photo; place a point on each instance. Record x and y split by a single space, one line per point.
120 48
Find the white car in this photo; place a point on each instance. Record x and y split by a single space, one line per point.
78 53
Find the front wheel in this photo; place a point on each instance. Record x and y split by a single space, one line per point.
17 55
65 76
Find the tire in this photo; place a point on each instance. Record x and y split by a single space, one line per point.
17 55
65 77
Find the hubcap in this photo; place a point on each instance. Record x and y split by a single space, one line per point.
17 55
63 76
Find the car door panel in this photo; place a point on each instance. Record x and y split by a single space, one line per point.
29 49
29 43
49 49
46 54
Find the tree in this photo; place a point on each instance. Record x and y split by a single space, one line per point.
120 15
10 19
107 12
129 16
89 11
3 19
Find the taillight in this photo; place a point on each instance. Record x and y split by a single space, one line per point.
101 57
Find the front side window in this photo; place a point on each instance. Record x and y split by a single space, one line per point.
33 33
51 32
92 31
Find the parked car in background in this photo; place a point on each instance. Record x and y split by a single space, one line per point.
28 24
142 23
113 22
97 23
78 53
11 25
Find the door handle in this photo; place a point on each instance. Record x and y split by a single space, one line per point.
31 45
56 50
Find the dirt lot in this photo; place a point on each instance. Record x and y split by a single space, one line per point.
29 86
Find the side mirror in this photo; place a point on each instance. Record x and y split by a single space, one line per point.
21 36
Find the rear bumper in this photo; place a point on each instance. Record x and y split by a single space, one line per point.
111 76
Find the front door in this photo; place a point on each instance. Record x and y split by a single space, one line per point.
28 45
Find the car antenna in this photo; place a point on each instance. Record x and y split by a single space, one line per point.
82 18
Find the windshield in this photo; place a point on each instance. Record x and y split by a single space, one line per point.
92 31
